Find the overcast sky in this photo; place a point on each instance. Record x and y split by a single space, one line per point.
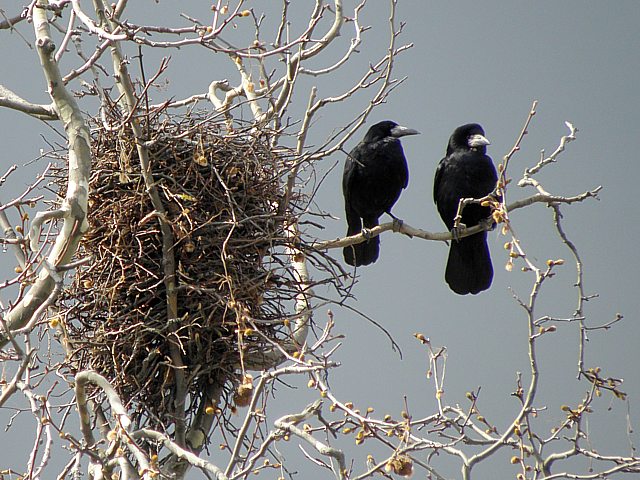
481 62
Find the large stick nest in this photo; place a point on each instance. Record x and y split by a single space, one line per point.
221 194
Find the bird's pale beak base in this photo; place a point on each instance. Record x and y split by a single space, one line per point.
400 131
478 141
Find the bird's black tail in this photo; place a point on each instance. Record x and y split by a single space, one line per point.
363 253
469 268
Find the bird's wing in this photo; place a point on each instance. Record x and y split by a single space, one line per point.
406 172
348 174
436 181
352 167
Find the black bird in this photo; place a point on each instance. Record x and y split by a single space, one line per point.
375 173
466 172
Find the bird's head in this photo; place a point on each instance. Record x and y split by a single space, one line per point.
468 137
382 130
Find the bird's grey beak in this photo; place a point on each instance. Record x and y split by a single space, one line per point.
478 141
400 131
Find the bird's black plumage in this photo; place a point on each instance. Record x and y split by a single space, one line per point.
466 172
375 172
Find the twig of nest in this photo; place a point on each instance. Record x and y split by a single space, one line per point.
221 195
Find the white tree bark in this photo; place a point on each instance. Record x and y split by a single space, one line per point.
73 210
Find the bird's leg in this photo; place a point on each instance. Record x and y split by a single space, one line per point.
397 223
366 233
457 230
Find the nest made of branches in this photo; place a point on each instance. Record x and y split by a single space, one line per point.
221 193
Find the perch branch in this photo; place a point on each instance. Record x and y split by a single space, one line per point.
410 231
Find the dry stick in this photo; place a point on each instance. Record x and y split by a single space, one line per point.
388 84
353 47
298 259
179 452
579 313
243 429
533 385
351 411
279 353
126 88
9 22
223 257
206 39
10 235
89 62
516 146
552 158
288 423
42 427
264 378
119 413
10 388
630 466
529 307
21 199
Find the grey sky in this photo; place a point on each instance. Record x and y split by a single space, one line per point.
471 62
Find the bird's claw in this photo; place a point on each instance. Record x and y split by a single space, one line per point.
397 224
456 231
366 233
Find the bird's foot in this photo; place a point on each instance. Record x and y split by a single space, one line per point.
397 224
456 231
366 233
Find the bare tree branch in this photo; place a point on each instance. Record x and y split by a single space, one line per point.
11 100
75 203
